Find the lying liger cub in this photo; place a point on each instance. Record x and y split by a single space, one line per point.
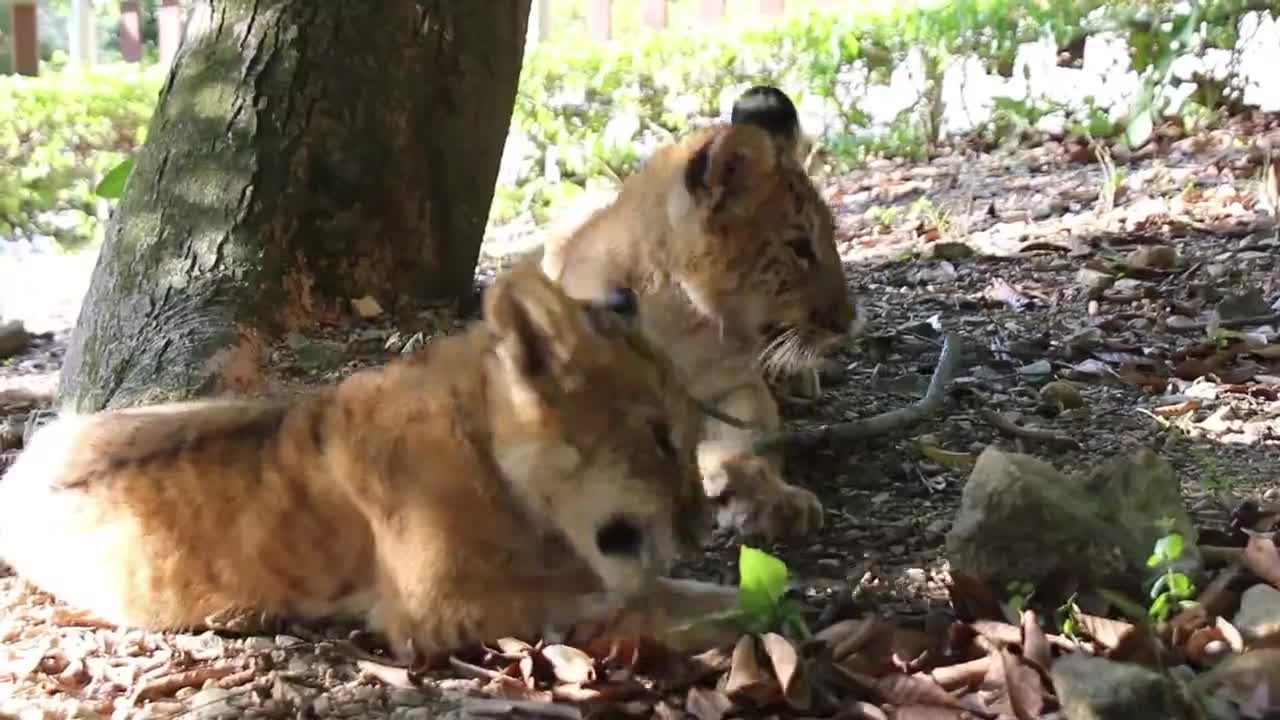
537 470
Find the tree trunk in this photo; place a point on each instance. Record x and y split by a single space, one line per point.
302 154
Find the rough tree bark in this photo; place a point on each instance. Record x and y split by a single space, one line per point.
302 154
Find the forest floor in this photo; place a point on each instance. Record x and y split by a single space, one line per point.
1002 248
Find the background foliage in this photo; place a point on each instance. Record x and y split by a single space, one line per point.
588 113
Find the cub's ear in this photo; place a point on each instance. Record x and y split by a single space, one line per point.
770 109
730 172
539 329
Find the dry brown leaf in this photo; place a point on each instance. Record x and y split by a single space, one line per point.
864 711
1035 645
1262 558
514 647
514 689
570 664
1199 646
926 712
746 677
607 692
1106 632
1176 409
963 675
832 634
912 649
858 636
396 677
1023 688
899 689
788 670
972 598
1230 633
1001 291
869 649
1143 375
707 704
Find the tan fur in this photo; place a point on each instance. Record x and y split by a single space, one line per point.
451 497
731 249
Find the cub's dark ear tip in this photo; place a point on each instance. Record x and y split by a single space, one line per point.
763 105
769 109
621 301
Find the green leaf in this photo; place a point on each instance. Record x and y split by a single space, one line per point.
1139 128
762 581
1170 547
112 184
1160 608
1180 585
1160 586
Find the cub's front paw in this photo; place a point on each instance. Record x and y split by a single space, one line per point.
785 512
751 497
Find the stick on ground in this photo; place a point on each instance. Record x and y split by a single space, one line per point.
883 423
1009 427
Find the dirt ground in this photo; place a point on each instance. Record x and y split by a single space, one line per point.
1001 248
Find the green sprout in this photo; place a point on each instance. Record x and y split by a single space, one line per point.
761 585
1020 594
1172 589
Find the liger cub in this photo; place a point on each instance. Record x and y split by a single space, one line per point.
730 248
537 470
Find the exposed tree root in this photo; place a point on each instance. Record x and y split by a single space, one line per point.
1009 427
881 424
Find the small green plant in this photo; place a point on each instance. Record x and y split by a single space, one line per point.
1211 477
1172 589
885 215
1112 178
1020 594
938 217
1066 616
762 582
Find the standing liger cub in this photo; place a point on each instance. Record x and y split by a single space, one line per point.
731 250
537 470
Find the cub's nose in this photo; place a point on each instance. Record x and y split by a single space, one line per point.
619 536
621 300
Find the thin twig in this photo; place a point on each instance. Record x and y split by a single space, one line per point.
1009 427
883 423
172 683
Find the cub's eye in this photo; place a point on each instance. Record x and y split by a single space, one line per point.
803 249
619 537
662 436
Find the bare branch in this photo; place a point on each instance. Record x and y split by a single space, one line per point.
883 423
1009 427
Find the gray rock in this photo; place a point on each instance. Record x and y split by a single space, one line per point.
1259 614
951 250
213 703
1246 304
13 338
320 354
1021 519
1094 282
1093 688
